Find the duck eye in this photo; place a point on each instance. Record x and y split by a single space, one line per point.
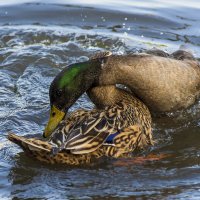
59 93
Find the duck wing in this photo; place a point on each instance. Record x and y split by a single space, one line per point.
129 139
86 135
89 135
91 131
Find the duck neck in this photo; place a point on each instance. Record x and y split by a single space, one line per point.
103 96
130 71
118 70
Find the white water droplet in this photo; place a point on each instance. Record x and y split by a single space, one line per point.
103 19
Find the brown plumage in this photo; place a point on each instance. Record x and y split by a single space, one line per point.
162 81
119 125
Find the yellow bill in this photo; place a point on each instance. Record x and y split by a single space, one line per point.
55 117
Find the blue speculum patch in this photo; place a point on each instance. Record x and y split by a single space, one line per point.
111 137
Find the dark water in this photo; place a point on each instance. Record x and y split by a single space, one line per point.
37 40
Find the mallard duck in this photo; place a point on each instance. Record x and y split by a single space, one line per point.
162 81
118 125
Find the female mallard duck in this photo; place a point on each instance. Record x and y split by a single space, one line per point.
120 124
163 82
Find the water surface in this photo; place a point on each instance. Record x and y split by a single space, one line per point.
37 40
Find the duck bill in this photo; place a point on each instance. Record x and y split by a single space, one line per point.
55 117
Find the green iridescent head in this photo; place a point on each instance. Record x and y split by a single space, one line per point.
67 87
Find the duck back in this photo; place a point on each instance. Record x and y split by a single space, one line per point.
164 84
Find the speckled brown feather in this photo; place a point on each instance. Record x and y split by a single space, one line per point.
41 150
82 135
117 110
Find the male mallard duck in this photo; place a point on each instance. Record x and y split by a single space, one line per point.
163 82
120 124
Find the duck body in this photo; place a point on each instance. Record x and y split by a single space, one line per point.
164 84
115 128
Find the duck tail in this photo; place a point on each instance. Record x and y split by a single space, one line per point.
42 151
29 145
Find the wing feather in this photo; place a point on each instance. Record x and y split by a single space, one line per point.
91 130
92 145
96 133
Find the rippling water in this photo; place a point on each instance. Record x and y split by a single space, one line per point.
37 40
